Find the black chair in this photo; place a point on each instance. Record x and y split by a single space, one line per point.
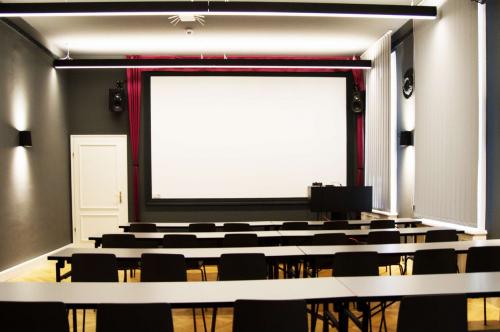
185 241
33 316
180 241
443 313
236 227
118 241
382 223
336 225
295 226
202 227
483 259
142 228
355 264
387 237
240 240
435 261
150 317
326 239
276 315
292 268
121 241
240 267
92 268
359 264
330 239
441 235
165 268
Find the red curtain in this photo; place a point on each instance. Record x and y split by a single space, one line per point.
134 103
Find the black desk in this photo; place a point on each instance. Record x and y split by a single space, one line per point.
341 200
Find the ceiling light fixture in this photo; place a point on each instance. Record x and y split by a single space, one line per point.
211 63
206 8
187 18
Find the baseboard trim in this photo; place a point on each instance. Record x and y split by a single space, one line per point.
472 231
24 267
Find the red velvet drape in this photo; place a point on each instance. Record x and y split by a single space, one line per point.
134 103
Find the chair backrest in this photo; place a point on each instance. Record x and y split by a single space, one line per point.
236 227
163 267
337 224
94 268
150 317
441 235
443 313
483 259
118 241
242 267
180 241
330 239
382 223
240 240
142 228
202 227
294 226
33 316
435 261
270 315
355 264
383 237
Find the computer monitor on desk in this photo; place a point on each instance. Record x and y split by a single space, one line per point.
340 199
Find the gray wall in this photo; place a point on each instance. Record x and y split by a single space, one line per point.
88 100
35 196
406 122
493 120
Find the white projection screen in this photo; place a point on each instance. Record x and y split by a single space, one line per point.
237 137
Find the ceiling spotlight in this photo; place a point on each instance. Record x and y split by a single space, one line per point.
186 17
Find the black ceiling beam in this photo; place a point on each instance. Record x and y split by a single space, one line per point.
221 8
207 63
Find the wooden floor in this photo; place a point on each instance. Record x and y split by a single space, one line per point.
183 321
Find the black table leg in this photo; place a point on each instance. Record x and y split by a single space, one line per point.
343 318
59 266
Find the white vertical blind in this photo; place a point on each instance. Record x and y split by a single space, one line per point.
446 114
377 133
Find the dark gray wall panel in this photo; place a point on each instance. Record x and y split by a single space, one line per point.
493 120
405 121
35 196
88 97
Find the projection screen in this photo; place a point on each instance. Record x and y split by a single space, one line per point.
226 137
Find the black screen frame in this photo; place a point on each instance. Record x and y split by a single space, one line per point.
281 201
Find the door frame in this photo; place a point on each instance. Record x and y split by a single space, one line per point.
75 224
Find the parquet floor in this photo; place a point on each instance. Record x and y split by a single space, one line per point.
183 321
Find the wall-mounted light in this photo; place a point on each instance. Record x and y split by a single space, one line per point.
25 139
406 138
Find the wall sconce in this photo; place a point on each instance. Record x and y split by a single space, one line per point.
406 138
25 139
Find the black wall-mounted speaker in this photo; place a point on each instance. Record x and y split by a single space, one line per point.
117 100
357 103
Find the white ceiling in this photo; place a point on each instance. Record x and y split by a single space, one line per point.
117 36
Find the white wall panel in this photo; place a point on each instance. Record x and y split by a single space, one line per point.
377 132
446 114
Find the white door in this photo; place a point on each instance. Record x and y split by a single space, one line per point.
99 184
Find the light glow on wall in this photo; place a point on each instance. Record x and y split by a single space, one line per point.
19 109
